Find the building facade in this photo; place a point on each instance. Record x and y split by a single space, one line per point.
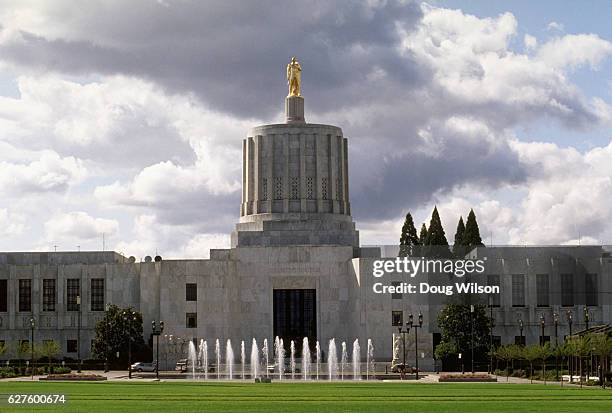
295 269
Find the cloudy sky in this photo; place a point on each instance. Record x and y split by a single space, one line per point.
126 118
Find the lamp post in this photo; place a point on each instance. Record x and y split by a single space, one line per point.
156 330
491 337
78 303
32 323
586 317
520 324
570 320
472 334
107 307
556 322
129 316
416 338
403 332
542 326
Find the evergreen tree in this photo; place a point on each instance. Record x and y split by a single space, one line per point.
457 246
113 333
409 236
435 233
471 236
423 234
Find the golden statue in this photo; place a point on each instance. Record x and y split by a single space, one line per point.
294 77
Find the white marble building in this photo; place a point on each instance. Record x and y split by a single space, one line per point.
295 268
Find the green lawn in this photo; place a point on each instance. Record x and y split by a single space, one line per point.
177 397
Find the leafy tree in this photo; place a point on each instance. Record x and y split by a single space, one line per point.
114 332
530 354
455 323
544 353
505 353
458 249
603 348
3 348
471 236
445 349
49 349
423 234
409 236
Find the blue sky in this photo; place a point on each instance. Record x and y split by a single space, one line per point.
126 118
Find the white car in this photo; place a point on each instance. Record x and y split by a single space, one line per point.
141 366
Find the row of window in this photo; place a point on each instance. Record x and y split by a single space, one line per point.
49 290
71 344
542 290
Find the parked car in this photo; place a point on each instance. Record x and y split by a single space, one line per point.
142 367
181 365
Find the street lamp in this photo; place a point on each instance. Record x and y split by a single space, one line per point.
556 321
586 317
491 336
403 332
156 331
542 326
416 338
129 316
107 307
570 320
32 323
520 324
472 334
78 303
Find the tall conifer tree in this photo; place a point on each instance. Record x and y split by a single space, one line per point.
408 237
435 232
457 246
423 234
471 236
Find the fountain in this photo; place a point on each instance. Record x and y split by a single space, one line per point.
370 358
192 356
292 360
265 353
218 356
356 360
343 360
254 360
332 360
280 356
204 358
305 359
242 358
318 350
229 360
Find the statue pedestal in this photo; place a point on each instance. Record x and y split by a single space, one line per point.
294 109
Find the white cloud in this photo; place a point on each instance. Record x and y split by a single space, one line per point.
79 225
49 173
530 42
11 223
555 26
574 50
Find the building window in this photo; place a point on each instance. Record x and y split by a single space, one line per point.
278 187
396 296
192 320
73 290
25 295
590 289
3 296
567 290
97 294
496 341
519 340
191 292
49 294
518 290
71 346
397 318
309 188
323 188
542 290
494 280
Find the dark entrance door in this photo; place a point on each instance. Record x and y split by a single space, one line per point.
295 317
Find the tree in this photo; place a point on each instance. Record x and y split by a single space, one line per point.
409 236
505 353
602 344
423 234
3 348
471 236
530 354
458 244
543 354
436 238
49 349
113 332
455 323
445 349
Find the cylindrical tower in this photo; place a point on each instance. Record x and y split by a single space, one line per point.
295 187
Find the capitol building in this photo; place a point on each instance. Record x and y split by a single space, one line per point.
295 268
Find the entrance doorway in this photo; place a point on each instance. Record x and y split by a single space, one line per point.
295 317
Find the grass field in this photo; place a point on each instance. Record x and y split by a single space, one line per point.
176 397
